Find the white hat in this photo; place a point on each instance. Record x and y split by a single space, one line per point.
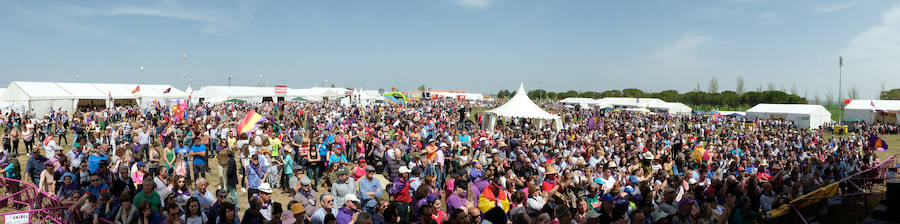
264 187
403 169
351 197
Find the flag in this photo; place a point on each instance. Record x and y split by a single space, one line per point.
136 89
841 61
877 143
250 122
489 199
168 90
872 102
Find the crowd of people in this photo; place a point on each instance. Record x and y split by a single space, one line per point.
421 162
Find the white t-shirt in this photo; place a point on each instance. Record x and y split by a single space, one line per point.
197 219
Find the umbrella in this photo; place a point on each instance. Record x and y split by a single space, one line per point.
235 101
299 98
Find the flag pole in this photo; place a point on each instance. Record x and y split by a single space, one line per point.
840 97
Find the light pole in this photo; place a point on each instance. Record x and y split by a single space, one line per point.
142 74
77 78
228 76
260 80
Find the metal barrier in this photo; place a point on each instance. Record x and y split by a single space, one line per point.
851 194
34 205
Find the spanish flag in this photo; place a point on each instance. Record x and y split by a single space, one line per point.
250 122
490 199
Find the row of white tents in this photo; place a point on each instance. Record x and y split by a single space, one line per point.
638 104
43 97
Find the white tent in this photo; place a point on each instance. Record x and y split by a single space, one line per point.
869 111
149 93
40 97
652 104
677 108
216 94
804 115
318 93
520 106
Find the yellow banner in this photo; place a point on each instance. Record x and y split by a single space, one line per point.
826 191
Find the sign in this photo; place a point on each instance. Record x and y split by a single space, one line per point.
461 97
280 89
20 218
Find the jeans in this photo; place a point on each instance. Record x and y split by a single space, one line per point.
402 211
314 172
199 171
211 148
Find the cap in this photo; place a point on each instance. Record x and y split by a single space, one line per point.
265 188
370 168
607 197
305 181
297 208
403 169
351 197
612 165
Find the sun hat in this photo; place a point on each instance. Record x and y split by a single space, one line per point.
297 208
403 169
351 197
265 188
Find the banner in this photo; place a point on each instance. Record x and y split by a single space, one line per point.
280 89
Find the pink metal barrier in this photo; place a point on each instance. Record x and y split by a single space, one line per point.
852 199
39 206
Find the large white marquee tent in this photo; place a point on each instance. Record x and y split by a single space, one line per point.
649 104
42 97
217 94
869 111
803 115
520 106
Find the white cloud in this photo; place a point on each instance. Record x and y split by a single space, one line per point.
682 53
834 7
475 3
165 9
767 18
872 54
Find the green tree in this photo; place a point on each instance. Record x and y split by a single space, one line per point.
669 96
632 92
893 94
611 93
421 87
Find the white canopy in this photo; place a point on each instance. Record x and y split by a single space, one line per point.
520 106
803 115
873 111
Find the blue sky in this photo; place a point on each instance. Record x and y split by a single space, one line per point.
475 45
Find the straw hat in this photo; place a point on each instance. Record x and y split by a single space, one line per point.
551 170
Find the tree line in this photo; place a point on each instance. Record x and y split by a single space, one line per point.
711 97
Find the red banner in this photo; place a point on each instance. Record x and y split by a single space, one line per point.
280 89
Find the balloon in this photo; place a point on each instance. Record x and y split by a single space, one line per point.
846 101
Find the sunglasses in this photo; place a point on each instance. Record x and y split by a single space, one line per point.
95 180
